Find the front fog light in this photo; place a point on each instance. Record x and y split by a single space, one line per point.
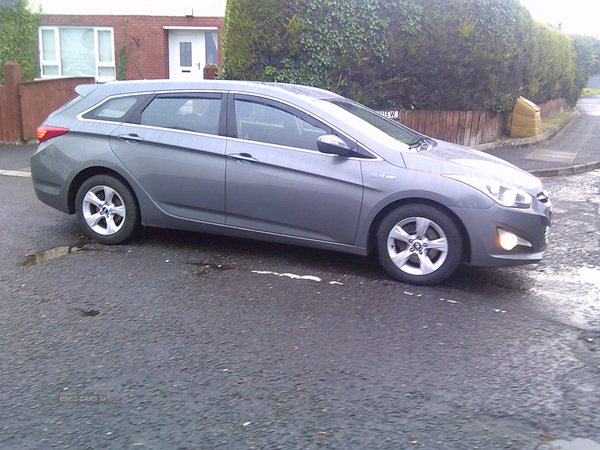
509 240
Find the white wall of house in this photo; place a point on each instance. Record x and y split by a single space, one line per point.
177 8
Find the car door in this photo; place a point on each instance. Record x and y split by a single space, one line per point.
278 182
175 148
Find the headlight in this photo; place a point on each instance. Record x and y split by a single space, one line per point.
502 193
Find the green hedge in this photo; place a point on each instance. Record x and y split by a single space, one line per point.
423 54
588 58
18 39
469 56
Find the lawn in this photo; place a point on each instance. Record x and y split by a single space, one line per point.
589 91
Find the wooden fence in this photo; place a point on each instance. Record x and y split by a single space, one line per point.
552 108
24 106
469 128
40 98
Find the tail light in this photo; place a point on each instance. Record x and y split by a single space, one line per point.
45 132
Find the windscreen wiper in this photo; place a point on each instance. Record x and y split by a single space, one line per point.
421 144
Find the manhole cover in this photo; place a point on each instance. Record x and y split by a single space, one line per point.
552 156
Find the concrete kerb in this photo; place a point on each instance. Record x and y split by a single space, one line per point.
562 171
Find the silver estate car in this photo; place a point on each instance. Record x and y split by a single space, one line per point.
284 163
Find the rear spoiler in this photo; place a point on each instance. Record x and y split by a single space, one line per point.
85 89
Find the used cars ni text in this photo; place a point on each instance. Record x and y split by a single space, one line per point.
284 163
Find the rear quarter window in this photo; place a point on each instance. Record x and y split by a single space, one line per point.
114 109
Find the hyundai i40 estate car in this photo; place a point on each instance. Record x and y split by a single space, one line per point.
284 163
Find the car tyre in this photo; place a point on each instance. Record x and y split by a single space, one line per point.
107 210
419 244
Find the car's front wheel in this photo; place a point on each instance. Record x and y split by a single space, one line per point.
419 244
107 209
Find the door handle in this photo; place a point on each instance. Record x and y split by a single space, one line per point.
130 138
243 157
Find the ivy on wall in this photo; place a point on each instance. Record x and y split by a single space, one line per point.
18 39
123 55
422 54
331 44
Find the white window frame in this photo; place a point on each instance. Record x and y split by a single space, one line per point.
104 64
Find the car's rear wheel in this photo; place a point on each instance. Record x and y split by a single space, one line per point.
107 210
419 244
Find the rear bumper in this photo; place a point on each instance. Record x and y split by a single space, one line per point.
50 181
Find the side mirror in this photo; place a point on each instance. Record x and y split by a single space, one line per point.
333 145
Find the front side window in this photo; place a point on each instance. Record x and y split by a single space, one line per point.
389 127
77 52
194 112
260 122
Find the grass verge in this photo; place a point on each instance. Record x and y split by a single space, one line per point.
551 123
589 91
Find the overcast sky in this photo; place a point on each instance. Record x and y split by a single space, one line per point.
576 16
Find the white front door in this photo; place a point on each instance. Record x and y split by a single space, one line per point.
187 55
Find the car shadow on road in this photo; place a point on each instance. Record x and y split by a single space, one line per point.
466 279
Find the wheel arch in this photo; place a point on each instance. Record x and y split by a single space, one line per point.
89 172
372 236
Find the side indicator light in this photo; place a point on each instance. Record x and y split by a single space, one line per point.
45 132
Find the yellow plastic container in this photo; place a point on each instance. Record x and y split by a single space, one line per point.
526 119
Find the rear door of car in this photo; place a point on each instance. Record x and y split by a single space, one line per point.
278 182
175 148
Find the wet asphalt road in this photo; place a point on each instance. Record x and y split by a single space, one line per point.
206 342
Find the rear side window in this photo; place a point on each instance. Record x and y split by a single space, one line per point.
114 109
192 112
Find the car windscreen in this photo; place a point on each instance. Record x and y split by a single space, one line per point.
387 126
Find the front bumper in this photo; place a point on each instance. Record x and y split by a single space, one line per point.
482 226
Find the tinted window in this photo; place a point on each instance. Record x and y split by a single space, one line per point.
114 109
265 123
184 112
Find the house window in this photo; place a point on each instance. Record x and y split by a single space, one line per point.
77 52
211 44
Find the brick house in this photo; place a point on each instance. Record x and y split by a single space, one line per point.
155 39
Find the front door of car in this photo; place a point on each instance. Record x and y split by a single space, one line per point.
278 182
173 149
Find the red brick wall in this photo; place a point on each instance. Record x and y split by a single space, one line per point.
147 40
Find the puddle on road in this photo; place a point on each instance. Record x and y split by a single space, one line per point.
54 253
571 295
577 444
590 275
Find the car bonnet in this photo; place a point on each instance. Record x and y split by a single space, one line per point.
451 159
